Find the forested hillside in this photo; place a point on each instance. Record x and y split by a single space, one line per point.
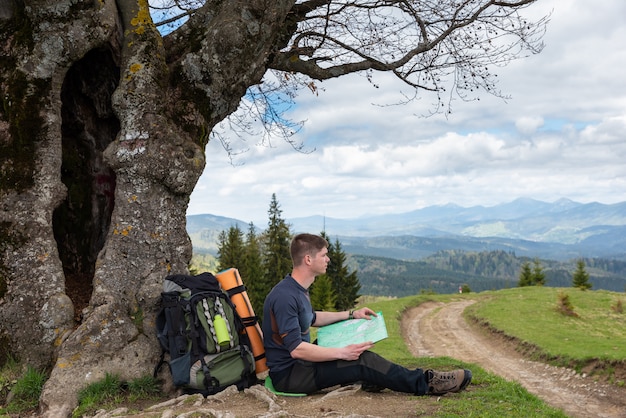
445 271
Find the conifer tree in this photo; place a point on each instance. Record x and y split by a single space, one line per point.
323 297
580 278
230 248
346 285
350 293
252 271
276 255
538 276
525 277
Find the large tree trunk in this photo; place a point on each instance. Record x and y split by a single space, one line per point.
102 138
52 123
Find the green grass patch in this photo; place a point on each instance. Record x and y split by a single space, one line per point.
112 392
20 393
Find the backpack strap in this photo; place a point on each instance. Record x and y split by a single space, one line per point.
220 311
209 319
171 320
235 290
160 364
248 321
208 381
246 374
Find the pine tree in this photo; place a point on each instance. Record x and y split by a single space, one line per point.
276 254
580 279
345 285
525 277
538 276
322 294
230 248
252 271
351 286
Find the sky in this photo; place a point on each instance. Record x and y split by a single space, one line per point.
561 133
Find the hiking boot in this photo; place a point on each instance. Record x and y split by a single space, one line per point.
444 382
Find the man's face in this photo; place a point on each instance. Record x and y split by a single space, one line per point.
319 262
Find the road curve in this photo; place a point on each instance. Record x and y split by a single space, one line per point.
439 329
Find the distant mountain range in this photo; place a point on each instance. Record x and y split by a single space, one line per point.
560 230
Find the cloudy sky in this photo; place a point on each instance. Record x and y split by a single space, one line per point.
562 134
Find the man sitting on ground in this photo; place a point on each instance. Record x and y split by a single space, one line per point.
298 366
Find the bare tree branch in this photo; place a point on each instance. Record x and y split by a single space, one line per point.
450 48
422 43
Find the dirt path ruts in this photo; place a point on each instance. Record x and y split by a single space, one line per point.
438 329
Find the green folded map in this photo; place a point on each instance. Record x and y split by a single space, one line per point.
352 331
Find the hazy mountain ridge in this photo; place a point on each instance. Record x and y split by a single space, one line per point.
560 230
521 219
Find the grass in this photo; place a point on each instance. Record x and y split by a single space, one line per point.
112 391
24 390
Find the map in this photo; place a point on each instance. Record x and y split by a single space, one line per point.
352 331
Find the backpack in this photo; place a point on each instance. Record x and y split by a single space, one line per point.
200 329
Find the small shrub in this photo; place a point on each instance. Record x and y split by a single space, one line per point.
580 278
564 305
618 307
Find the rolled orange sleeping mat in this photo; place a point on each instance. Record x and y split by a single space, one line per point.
231 282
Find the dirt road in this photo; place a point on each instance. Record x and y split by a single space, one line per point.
437 329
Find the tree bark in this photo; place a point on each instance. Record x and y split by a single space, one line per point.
40 42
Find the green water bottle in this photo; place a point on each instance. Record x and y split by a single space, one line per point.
221 332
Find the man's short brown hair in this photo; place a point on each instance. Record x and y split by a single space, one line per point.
306 244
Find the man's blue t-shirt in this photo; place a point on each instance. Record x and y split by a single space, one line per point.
287 317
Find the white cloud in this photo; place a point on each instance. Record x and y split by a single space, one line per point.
528 124
561 134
